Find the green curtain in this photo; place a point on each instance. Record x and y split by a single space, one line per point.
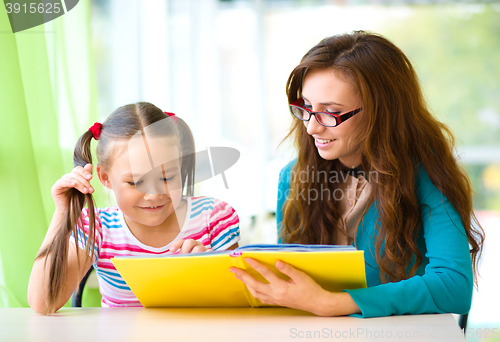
48 97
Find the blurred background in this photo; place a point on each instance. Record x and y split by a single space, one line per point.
222 67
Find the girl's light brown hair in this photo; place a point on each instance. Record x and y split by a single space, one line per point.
397 133
122 124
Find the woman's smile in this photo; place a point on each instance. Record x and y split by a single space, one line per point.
323 143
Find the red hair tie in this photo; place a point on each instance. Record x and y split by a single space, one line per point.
96 130
172 115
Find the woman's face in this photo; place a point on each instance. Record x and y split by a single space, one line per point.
325 91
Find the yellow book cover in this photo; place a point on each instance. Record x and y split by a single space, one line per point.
204 280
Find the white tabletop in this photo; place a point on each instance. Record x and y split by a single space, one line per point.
218 324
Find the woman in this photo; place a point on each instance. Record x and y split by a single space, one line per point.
377 170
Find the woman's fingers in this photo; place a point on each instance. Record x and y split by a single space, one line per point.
251 283
269 275
288 270
243 276
300 292
257 289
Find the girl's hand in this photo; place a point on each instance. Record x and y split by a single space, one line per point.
300 292
188 246
79 178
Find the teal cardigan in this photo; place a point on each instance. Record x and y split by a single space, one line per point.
444 281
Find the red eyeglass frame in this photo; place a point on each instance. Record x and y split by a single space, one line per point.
339 118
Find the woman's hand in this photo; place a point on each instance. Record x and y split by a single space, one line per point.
300 292
188 246
79 178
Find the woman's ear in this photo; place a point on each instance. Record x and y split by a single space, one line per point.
103 176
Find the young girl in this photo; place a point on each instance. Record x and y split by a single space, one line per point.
377 170
147 158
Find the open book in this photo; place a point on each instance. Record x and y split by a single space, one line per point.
204 280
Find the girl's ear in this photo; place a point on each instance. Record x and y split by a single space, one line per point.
103 176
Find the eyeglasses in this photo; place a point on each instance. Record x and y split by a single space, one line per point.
324 118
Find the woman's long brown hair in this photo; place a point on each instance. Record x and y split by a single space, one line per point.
397 133
122 124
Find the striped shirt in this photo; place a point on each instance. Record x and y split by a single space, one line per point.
208 220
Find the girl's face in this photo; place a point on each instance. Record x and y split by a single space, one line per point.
324 91
145 176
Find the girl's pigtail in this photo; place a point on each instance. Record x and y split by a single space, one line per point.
188 157
57 250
